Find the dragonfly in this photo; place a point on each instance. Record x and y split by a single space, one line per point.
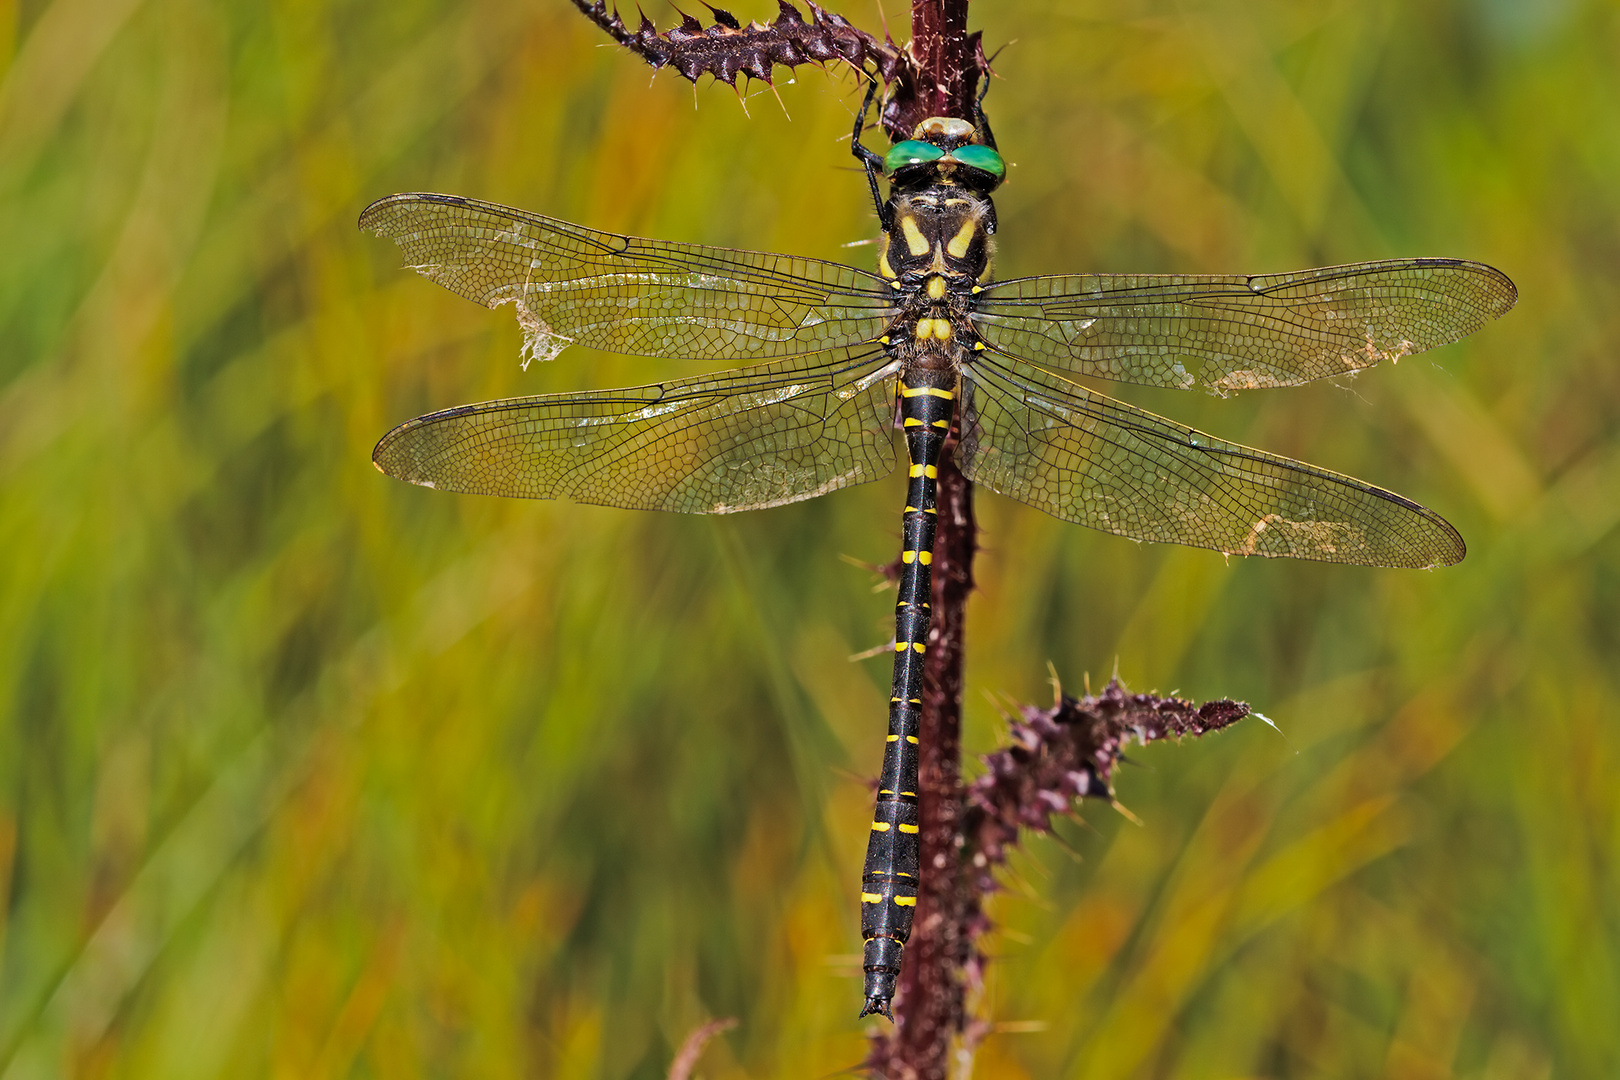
931 351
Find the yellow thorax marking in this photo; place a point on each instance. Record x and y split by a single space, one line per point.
884 266
958 247
916 242
936 285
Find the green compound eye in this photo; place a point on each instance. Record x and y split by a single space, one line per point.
981 158
910 152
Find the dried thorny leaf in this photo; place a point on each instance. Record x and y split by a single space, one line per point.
728 48
1057 757
1069 752
937 73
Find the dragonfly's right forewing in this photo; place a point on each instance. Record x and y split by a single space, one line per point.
1240 332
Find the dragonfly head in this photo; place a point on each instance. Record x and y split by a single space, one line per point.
944 148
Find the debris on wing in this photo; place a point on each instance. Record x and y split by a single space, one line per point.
540 341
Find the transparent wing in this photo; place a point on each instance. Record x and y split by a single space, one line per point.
1090 459
741 440
628 295
1240 332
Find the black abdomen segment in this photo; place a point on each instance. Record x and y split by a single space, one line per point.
889 880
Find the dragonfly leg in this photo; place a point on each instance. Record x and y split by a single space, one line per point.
981 122
870 160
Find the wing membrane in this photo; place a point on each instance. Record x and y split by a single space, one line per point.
740 440
1090 459
628 295
1240 332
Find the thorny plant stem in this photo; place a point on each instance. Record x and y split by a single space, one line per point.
929 1008
1057 756
943 55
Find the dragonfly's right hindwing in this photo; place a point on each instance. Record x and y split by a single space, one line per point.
1093 460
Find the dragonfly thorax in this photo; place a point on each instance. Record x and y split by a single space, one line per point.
943 230
935 252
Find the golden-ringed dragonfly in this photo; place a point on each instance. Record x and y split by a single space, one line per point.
930 343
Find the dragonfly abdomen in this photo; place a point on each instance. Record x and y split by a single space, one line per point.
889 879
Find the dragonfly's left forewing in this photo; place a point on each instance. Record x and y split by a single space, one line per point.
1090 459
569 284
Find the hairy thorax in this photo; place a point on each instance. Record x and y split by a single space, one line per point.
935 253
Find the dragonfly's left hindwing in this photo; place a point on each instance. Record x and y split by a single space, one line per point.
740 440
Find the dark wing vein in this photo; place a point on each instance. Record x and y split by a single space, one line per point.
1240 332
741 440
1090 459
629 295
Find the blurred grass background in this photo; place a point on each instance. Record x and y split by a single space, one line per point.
305 772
